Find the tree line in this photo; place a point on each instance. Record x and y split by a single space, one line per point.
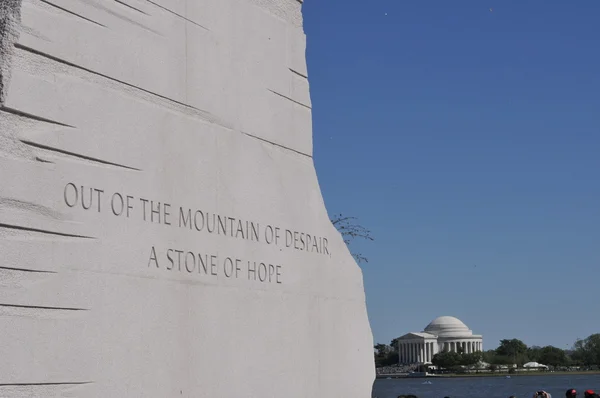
584 352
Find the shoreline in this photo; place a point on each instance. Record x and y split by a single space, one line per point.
484 374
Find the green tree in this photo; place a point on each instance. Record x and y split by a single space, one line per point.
471 359
381 349
533 354
394 344
447 360
350 230
381 354
503 360
553 356
489 356
587 352
385 355
514 349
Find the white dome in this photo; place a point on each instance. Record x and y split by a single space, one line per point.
448 326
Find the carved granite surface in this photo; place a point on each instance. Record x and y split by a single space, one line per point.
9 21
162 230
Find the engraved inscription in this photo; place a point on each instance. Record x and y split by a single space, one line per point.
194 262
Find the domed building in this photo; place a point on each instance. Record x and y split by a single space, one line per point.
445 333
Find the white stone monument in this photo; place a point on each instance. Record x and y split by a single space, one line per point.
162 230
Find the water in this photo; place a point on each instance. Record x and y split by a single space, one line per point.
486 387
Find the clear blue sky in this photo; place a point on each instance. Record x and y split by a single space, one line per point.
468 141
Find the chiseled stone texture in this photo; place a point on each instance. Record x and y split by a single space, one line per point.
9 20
151 152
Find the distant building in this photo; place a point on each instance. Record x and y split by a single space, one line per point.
445 333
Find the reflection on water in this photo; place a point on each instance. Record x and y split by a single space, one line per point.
486 387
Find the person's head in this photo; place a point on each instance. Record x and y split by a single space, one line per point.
589 393
571 393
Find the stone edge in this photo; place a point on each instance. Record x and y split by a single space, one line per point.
10 19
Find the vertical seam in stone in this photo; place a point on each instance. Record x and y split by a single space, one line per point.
187 64
10 20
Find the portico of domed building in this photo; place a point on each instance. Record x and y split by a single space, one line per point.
445 333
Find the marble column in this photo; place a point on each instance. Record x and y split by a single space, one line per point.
431 351
401 352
